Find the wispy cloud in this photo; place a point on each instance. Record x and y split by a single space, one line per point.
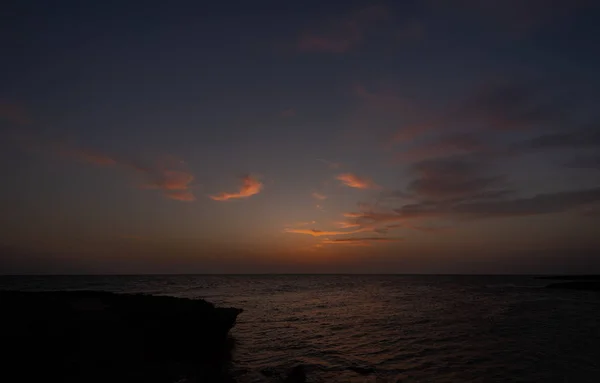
346 225
181 195
299 224
354 181
317 233
169 176
250 186
344 34
361 241
86 156
319 196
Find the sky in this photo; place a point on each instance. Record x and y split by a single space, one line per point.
430 136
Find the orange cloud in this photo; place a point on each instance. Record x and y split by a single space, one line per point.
303 223
346 225
354 181
181 195
353 215
320 233
364 241
171 180
168 176
317 233
250 187
319 196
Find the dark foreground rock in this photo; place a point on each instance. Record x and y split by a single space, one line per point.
578 285
362 370
296 375
88 336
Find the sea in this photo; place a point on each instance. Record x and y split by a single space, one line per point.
386 328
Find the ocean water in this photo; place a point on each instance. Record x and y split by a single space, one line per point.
401 328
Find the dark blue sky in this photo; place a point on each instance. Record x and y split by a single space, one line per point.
414 136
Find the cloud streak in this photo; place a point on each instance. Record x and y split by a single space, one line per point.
319 196
250 186
87 156
172 178
354 181
317 233
361 241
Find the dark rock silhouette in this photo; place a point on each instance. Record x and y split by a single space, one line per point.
589 277
362 370
576 282
578 285
268 372
296 375
88 336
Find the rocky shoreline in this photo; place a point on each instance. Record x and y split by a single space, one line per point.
94 336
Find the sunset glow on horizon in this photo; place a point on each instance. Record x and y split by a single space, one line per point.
384 137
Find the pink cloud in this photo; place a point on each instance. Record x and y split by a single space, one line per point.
170 176
319 196
354 181
181 195
250 187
